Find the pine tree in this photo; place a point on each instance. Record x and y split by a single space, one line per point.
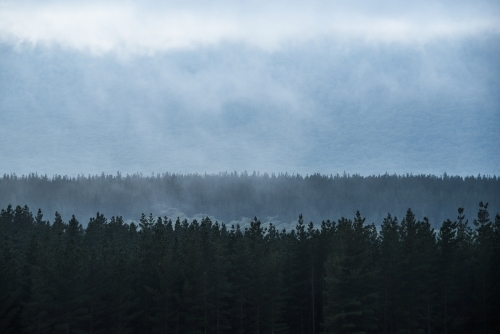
390 252
447 246
220 275
274 284
350 291
240 277
484 255
416 272
10 289
495 274
298 279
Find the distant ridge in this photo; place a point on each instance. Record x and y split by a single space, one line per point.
231 196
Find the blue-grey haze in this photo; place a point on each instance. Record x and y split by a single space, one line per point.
90 87
313 108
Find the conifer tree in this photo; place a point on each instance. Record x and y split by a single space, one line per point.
390 252
484 256
240 276
350 292
10 287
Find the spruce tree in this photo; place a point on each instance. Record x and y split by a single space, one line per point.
350 291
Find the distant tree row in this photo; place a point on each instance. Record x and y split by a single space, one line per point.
162 276
231 196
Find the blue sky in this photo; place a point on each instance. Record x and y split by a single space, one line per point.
300 87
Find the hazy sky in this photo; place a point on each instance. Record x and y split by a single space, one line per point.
274 86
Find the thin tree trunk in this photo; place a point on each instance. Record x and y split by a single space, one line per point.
312 298
272 315
91 322
166 317
258 319
205 301
218 301
218 315
463 317
484 303
385 310
445 309
428 316
241 313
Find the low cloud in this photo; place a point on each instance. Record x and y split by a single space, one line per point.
129 28
192 86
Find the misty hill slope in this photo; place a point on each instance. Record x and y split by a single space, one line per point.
230 197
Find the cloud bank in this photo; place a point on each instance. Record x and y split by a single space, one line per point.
148 28
191 86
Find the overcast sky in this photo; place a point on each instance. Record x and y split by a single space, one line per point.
274 86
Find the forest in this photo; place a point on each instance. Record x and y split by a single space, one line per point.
229 197
178 276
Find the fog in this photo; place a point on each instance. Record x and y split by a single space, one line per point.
145 28
296 87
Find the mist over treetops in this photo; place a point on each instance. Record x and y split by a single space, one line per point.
238 197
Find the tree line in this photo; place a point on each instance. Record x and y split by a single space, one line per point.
165 276
228 197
